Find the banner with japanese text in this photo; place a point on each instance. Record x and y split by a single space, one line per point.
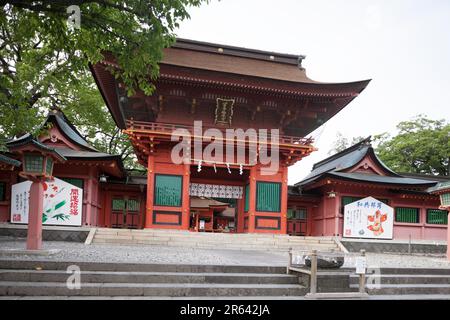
62 203
368 218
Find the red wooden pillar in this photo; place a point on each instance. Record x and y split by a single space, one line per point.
36 207
150 191
284 199
448 235
186 210
239 224
252 199
89 193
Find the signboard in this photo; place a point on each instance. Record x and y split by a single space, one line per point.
368 218
361 265
62 203
202 225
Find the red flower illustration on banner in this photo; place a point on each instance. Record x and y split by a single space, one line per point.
377 226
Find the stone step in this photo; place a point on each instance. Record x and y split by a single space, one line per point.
401 289
173 233
146 277
213 239
405 279
415 271
138 267
208 245
149 289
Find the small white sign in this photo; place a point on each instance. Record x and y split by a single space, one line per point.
361 265
202 225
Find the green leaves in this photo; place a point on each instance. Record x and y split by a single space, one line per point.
421 146
61 217
45 63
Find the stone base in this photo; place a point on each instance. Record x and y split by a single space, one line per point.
325 261
26 252
336 296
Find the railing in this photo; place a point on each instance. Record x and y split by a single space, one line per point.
313 272
168 129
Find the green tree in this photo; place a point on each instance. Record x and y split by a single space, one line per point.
422 145
44 60
341 143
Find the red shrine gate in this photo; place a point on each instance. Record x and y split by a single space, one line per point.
226 88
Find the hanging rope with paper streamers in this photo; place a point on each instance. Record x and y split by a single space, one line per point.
228 168
199 168
215 169
241 170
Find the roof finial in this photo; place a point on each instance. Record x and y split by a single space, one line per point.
300 60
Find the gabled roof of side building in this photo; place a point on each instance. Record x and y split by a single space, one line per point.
8 160
57 118
338 166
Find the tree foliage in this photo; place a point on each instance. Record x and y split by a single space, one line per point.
341 143
44 61
422 145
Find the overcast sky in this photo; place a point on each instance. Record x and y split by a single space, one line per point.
402 45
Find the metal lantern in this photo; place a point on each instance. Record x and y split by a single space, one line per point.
443 190
35 164
37 158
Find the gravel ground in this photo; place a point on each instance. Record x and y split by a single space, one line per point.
71 251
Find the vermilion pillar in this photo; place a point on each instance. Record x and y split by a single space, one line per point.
36 207
448 235
150 191
284 199
186 205
252 200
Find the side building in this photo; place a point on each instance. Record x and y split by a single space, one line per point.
316 203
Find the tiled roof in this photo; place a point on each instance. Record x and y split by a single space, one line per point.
336 165
9 160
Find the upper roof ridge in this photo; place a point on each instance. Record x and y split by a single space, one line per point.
358 146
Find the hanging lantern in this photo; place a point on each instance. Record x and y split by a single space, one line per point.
443 190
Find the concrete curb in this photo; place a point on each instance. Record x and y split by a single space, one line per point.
29 252
90 236
340 245
336 296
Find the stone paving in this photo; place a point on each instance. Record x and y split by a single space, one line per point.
70 251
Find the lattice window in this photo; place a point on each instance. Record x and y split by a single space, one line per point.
133 205
49 165
436 216
299 214
118 204
168 190
268 196
407 215
247 197
34 163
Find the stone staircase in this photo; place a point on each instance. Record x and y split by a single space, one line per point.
203 240
48 279
406 282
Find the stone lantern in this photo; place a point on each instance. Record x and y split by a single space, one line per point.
37 166
443 190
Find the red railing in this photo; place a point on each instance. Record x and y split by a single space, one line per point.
168 128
